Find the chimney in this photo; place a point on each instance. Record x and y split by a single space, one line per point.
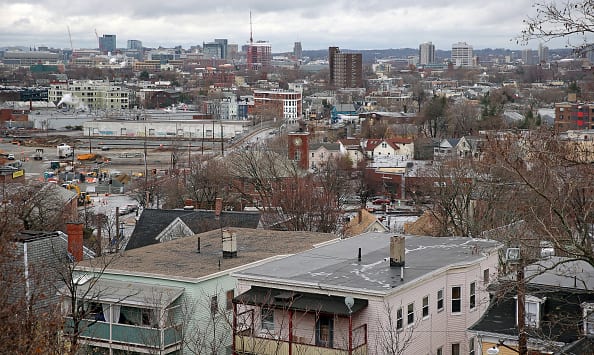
218 206
397 251
189 204
75 240
229 244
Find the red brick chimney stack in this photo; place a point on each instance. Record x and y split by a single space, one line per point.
75 240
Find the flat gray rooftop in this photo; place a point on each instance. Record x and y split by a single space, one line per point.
336 265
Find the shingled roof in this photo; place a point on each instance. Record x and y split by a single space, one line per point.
153 221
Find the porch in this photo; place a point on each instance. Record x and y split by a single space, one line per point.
126 316
271 321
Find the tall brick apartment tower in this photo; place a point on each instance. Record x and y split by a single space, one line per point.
346 69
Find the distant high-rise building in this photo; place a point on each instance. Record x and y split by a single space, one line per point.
232 51
212 50
134 44
259 55
426 53
297 50
223 42
107 43
462 55
346 69
543 53
528 56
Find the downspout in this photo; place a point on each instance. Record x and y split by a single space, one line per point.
26 262
290 332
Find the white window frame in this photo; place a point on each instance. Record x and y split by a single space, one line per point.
399 320
425 309
440 300
452 299
539 302
410 313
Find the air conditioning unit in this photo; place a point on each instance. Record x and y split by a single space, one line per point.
512 255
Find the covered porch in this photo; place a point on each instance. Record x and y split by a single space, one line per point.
276 321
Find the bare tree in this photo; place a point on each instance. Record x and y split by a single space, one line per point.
393 337
33 206
571 19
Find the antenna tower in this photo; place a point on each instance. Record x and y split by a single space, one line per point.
251 37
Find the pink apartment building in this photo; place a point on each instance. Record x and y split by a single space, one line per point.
375 293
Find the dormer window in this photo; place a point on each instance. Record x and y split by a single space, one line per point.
588 309
533 309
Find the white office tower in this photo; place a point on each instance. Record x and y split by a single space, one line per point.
462 55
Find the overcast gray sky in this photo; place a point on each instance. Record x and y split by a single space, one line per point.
317 24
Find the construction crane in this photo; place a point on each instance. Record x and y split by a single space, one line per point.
70 38
98 42
71 47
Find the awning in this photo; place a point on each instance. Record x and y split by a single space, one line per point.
126 293
299 301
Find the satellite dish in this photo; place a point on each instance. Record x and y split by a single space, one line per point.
493 351
349 302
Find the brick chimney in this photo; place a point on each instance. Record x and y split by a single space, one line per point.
75 240
218 206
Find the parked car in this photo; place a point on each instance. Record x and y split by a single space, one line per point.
381 201
129 208
10 156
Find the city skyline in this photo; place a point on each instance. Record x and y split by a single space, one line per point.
317 25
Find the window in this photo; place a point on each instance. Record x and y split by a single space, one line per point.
472 298
267 319
440 300
456 349
399 318
425 306
230 295
532 310
324 331
456 299
214 305
471 346
410 314
486 276
439 351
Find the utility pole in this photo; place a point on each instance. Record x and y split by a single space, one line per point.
522 337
